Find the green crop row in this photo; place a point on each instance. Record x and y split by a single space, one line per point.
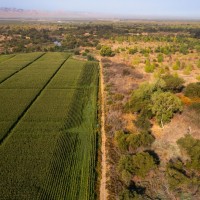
3 58
51 151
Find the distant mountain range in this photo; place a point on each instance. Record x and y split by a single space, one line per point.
10 13
16 13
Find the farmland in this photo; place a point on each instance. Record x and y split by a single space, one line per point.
48 126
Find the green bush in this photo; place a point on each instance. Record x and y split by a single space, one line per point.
121 140
177 65
142 122
192 90
140 140
98 47
176 175
160 58
139 164
133 51
195 107
149 68
130 141
192 147
173 83
106 51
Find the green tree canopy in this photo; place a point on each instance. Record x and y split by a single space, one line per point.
164 105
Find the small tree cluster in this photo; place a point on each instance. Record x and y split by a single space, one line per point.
151 100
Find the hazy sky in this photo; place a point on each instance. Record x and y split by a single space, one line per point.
172 8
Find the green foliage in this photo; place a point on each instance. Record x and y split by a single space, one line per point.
192 90
192 147
142 122
142 164
120 138
139 164
173 83
187 70
160 58
129 195
149 68
140 98
54 143
176 175
90 58
164 105
198 64
140 140
195 107
177 65
149 99
133 51
184 49
106 51
130 141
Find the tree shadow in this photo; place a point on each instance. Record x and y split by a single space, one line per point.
154 155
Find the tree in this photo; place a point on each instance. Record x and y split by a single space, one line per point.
139 164
192 146
142 163
106 51
164 105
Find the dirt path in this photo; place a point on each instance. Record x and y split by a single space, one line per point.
103 190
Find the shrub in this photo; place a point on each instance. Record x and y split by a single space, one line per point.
177 65
195 107
140 98
139 164
192 90
192 147
176 175
120 139
173 83
149 68
98 47
187 70
90 58
164 105
142 163
141 140
160 58
142 122
106 51
133 51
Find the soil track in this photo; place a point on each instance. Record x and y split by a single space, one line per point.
103 190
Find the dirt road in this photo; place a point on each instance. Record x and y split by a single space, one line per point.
103 190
